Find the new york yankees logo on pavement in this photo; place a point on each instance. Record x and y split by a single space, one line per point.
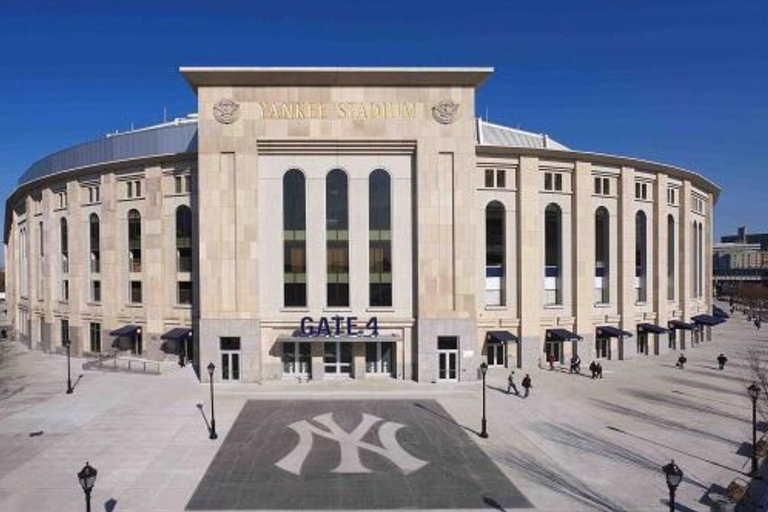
350 444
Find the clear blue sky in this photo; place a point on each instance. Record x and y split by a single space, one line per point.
682 82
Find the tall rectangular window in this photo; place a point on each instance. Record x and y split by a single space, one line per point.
135 292
337 236
380 238
294 239
184 292
95 335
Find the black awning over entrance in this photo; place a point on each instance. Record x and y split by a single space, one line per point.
177 334
719 312
126 331
681 326
651 328
706 320
501 337
562 335
608 331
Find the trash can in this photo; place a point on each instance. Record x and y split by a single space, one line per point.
721 503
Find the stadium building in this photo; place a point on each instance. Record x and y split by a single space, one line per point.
355 222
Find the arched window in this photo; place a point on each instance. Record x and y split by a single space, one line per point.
380 237
602 256
337 231
94 236
134 241
94 239
294 239
641 256
64 240
553 258
184 254
495 249
183 239
671 251
135 294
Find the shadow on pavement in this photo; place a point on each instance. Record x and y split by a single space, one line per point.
651 441
627 412
446 418
493 503
205 418
682 403
110 505
700 385
547 474
504 391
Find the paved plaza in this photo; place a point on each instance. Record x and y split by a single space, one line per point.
574 444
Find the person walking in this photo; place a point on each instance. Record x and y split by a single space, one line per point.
681 361
511 383
600 370
527 385
593 369
721 360
551 361
575 364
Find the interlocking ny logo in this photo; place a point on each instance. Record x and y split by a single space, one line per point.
350 444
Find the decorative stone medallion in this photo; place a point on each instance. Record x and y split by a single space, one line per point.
226 111
445 112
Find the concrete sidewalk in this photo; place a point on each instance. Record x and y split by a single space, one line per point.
574 444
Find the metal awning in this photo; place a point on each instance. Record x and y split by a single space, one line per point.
562 335
651 328
126 331
351 339
719 312
501 337
706 320
678 325
612 332
177 334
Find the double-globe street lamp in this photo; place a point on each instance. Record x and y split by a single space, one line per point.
754 394
483 429
674 476
211 369
68 344
87 477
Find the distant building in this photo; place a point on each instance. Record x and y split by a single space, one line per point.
740 258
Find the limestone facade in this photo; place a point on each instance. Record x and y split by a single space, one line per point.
445 298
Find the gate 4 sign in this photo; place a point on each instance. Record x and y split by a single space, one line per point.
337 325
350 444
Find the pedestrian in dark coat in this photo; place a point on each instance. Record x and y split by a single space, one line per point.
681 362
527 385
593 369
600 370
511 383
721 360
551 360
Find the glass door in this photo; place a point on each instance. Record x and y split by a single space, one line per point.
337 357
448 358
296 358
230 358
495 354
379 357
603 346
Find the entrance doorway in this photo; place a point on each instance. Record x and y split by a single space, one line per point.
379 357
230 358
448 358
642 343
337 357
603 348
554 348
296 358
673 339
496 354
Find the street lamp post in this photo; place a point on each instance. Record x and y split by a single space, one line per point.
67 344
211 369
483 429
674 476
754 393
87 477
